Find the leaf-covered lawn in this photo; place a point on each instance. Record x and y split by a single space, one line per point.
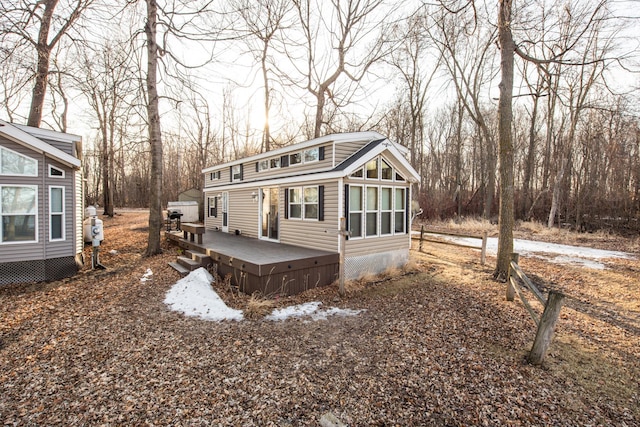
438 346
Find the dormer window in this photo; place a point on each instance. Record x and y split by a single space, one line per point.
55 172
311 155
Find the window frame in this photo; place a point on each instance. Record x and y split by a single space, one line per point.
302 203
375 210
61 214
383 211
34 214
236 173
396 211
51 167
359 212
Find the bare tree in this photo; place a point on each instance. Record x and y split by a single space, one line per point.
334 40
23 20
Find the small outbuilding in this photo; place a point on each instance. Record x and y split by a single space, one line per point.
41 204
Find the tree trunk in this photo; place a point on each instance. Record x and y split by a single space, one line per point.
319 110
155 139
42 68
505 116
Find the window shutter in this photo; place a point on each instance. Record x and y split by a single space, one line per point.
257 163
284 161
230 173
215 207
346 209
321 153
241 170
286 203
321 203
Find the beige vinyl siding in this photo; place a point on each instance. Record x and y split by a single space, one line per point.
346 149
372 245
224 178
243 212
317 234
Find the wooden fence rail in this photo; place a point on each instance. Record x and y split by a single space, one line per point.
482 247
552 305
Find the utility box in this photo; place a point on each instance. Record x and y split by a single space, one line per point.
188 209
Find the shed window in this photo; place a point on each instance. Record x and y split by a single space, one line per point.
56 213
18 212
13 163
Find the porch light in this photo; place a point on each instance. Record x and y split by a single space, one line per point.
254 196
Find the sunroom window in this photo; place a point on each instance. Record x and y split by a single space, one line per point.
386 172
18 207
13 163
371 217
355 210
372 169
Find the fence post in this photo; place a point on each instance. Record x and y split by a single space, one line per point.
544 335
483 253
510 291
421 237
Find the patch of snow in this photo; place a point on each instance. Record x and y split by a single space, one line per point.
310 309
553 252
113 252
147 275
194 296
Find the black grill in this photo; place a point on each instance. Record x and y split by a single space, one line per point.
173 218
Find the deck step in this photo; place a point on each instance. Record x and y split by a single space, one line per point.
188 263
179 268
203 259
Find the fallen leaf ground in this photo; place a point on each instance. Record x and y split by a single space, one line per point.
436 346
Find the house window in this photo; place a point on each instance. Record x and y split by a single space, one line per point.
386 172
399 177
304 203
311 155
311 203
400 210
56 213
55 172
295 203
372 169
371 217
355 210
236 173
275 163
263 165
13 163
213 176
18 213
295 158
386 210
357 174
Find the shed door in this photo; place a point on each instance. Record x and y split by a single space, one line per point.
269 213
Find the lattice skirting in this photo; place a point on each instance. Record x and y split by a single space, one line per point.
359 266
37 270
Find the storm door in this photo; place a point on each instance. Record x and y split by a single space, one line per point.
269 213
225 212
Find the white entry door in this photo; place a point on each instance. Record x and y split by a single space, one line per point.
225 212
269 213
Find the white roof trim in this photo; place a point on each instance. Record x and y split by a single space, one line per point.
335 138
397 156
24 138
49 134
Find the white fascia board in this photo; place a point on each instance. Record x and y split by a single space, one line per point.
23 138
336 138
396 156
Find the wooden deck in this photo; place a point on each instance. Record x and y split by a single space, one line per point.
268 267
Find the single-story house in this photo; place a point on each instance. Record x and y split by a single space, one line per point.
41 204
298 194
